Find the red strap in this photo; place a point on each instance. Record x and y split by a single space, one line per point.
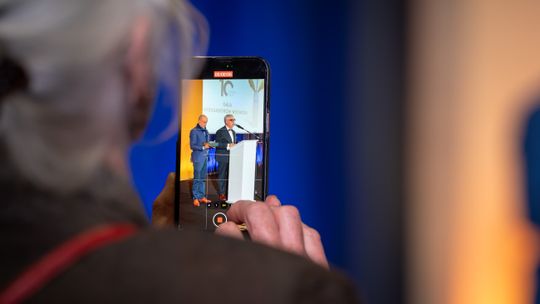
61 258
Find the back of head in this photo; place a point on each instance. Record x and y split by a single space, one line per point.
73 116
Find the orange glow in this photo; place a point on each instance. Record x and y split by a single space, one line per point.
191 109
475 67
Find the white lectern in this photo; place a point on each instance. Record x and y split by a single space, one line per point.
242 171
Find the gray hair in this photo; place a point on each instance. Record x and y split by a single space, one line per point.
60 130
227 116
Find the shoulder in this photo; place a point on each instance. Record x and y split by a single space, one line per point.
169 266
196 131
221 132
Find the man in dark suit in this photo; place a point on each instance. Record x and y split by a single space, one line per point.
198 141
226 139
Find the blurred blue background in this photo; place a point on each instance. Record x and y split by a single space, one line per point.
323 56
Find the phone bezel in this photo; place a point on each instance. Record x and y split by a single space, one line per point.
243 67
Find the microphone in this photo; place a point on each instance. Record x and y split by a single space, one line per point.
256 136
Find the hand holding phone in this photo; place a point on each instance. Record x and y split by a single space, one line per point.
269 223
275 225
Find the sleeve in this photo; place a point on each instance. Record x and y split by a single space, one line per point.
193 141
262 275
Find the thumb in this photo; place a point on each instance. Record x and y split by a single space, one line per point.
163 209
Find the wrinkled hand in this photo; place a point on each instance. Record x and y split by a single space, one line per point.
268 223
275 225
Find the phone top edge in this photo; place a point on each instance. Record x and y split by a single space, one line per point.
243 67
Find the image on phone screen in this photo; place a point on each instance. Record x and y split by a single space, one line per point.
223 140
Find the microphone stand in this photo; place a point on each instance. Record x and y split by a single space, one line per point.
256 136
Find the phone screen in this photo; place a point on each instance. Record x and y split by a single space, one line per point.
222 151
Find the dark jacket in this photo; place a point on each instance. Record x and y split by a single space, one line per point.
223 139
154 266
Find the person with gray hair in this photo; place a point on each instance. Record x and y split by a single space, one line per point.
226 139
77 82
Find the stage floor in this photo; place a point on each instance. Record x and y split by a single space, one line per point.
200 218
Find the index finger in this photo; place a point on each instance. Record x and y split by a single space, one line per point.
259 219
272 201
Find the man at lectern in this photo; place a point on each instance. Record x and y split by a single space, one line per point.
226 139
198 141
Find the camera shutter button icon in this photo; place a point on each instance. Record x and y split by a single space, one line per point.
219 218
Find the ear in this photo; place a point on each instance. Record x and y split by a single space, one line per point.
138 72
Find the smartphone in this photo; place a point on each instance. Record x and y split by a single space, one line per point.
223 139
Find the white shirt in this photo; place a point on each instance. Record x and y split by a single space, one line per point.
232 137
